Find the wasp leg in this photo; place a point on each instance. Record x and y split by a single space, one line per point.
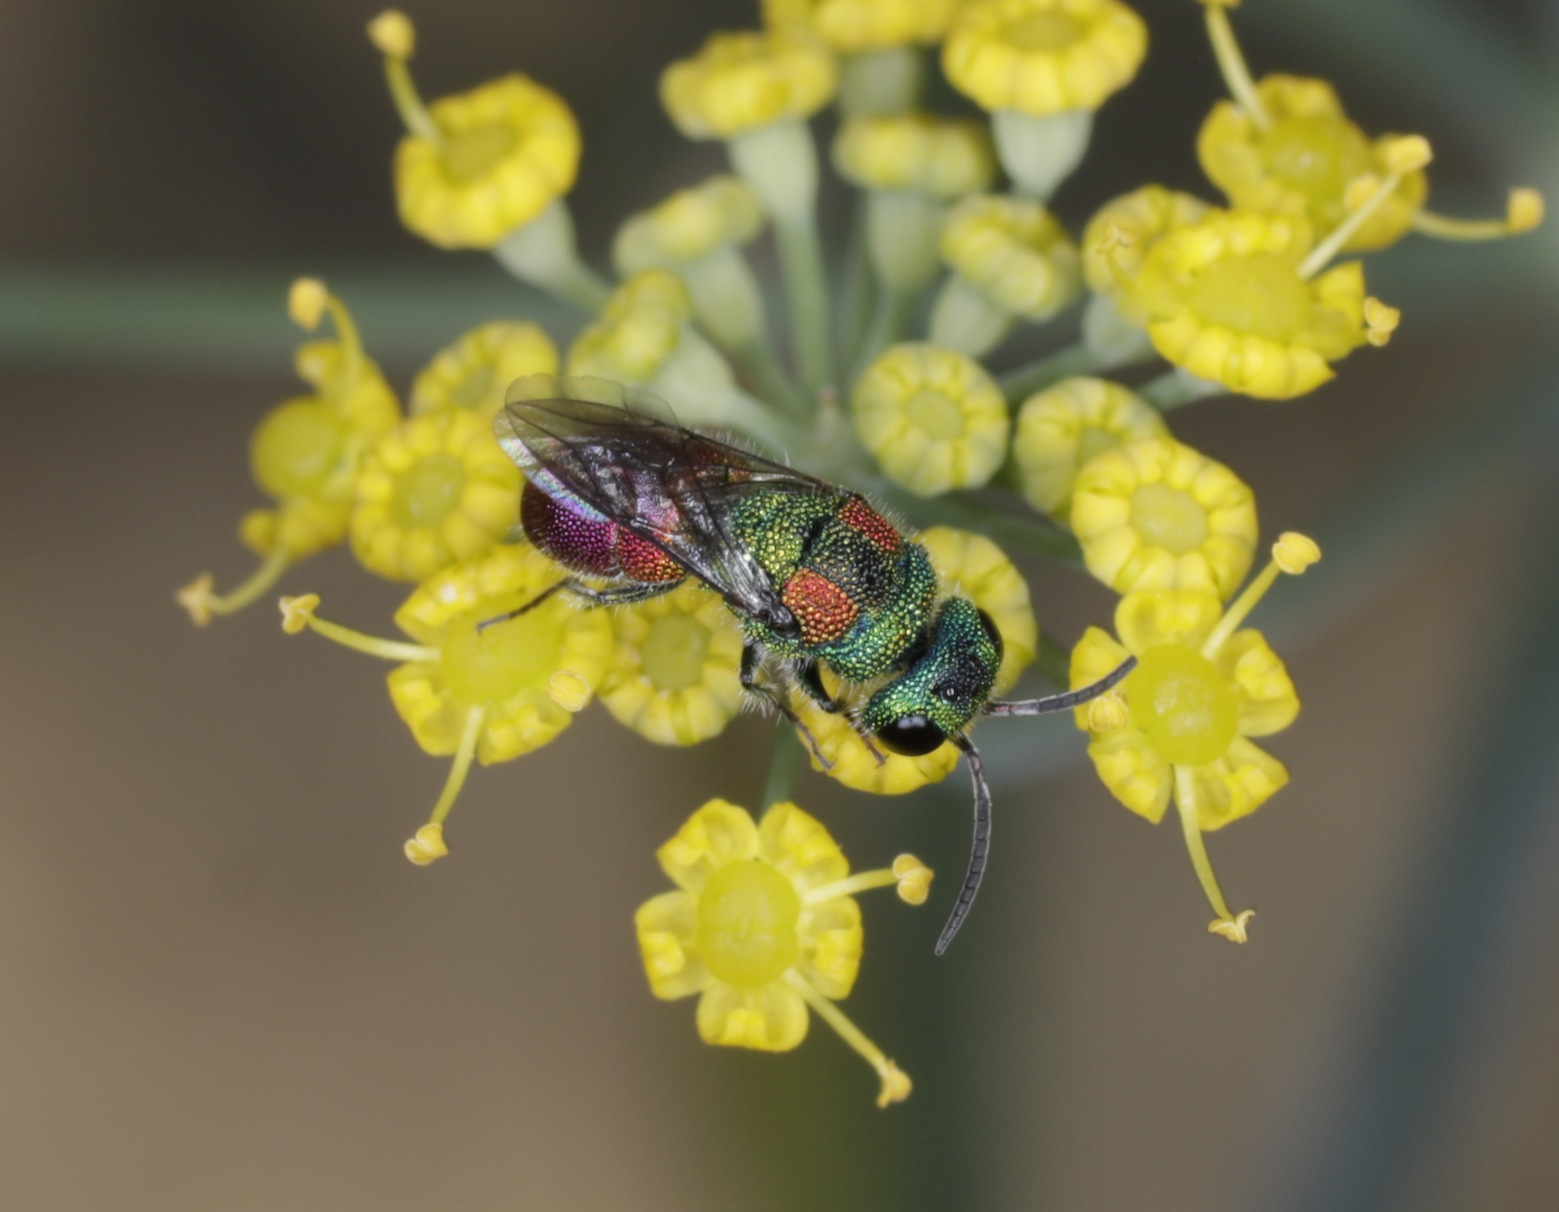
810 679
618 595
752 655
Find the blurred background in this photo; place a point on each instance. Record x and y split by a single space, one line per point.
224 987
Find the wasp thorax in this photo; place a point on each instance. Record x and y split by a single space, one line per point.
1184 706
748 914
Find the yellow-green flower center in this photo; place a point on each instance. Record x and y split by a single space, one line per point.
1317 156
428 491
492 666
673 653
1167 517
1184 706
471 153
1044 32
747 919
297 447
1262 295
472 388
936 415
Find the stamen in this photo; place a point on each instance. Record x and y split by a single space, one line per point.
895 1082
395 36
1231 62
1523 212
428 842
1108 713
1404 155
911 875
203 604
298 613
1230 925
1380 321
1292 553
306 302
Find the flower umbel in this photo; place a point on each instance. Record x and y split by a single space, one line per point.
1200 690
763 926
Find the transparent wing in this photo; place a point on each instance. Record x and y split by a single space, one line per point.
620 453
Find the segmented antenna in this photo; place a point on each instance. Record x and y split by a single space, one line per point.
982 843
1066 701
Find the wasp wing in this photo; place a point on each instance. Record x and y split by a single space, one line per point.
620 453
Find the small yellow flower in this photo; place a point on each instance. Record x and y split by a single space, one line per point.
435 491
489 694
933 419
741 81
1302 159
1231 299
920 153
476 370
675 676
972 566
1123 230
643 324
690 225
1063 427
1155 514
851 763
1200 690
764 925
1043 56
857 26
305 453
1014 252
498 156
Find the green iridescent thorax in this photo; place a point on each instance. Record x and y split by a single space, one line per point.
894 591
950 682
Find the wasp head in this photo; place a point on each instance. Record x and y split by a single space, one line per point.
945 686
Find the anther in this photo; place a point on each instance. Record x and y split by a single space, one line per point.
306 303
1108 713
1406 153
1294 552
393 33
1523 210
568 690
1380 321
426 845
297 612
196 598
914 879
1233 928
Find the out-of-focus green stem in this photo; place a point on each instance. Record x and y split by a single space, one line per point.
806 286
783 764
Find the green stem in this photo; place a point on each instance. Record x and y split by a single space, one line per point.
1175 388
806 286
774 385
1020 383
1007 530
890 318
860 286
783 764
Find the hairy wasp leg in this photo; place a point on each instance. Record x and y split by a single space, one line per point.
619 595
810 678
752 654
1068 700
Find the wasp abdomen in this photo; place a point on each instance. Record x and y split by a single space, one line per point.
583 541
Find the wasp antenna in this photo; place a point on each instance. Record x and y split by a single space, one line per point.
982 843
1064 702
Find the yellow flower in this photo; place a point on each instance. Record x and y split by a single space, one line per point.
305 454
741 81
434 491
851 763
1014 252
497 158
856 26
932 418
688 226
971 566
1155 514
642 325
1303 158
762 926
1123 230
675 677
1230 299
1061 428
1043 56
919 153
1200 690
475 371
491 694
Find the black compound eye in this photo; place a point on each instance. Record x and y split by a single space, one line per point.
911 736
990 630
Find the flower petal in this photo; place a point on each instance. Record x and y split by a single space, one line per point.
770 1019
1235 785
718 833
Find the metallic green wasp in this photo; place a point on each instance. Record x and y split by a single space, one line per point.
616 490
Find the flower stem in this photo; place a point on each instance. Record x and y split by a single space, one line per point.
1023 381
1231 62
1226 923
806 286
462 765
770 378
895 1085
783 764
1174 388
258 581
358 641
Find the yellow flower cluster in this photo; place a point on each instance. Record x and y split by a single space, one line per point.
658 530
